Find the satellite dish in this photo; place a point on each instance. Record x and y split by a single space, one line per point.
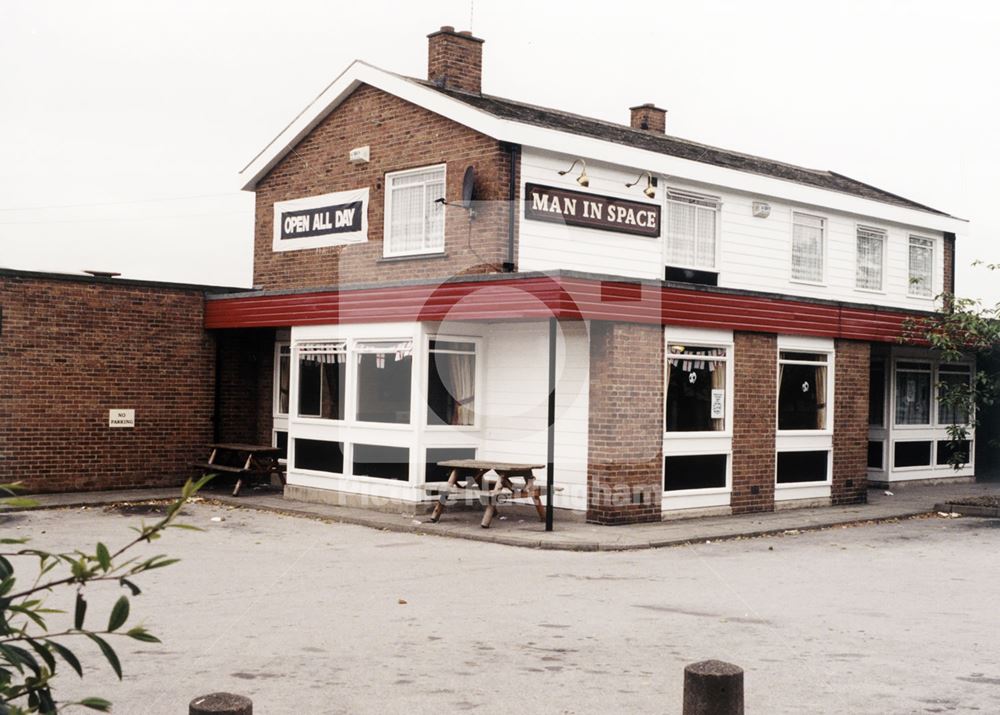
468 184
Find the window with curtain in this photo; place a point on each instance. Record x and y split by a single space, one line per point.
696 389
913 393
954 382
692 222
808 236
921 275
871 250
322 377
384 378
283 379
451 383
802 390
414 216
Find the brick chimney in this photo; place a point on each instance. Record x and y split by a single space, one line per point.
649 117
455 60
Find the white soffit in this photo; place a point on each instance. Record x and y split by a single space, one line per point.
573 145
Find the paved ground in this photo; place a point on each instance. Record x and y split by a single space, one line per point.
305 617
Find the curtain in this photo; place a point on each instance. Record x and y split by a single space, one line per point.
462 373
820 397
719 383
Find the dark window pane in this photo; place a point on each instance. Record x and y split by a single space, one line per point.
875 455
451 388
811 357
281 442
796 467
384 388
912 454
319 455
876 394
802 397
376 460
321 387
284 363
434 473
702 471
690 382
953 395
947 448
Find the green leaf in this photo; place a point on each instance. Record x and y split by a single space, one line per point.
119 614
80 612
141 634
103 557
96 704
43 653
67 655
131 586
5 568
109 653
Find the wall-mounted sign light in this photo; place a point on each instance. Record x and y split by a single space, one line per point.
650 183
582 179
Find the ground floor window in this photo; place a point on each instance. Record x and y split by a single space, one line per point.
954 384
281 442
451 383
913 393
876 454
796 467
283 379
435 473
701 471
912 454
952 453
322 378
382 462
696 389
802 390
385 370
319 455
876 393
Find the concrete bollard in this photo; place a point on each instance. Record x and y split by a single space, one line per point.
221 704
713 687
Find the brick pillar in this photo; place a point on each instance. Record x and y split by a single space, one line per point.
754 415
625 470
949 263
850 422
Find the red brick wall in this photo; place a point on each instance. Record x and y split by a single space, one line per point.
455 59
71 350
625 471
754 410
401 136
850 417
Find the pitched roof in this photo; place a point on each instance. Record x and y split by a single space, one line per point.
557 120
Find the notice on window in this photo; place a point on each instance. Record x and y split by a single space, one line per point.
321 221
718 404
121 418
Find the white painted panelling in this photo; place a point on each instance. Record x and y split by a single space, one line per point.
517 402
753 253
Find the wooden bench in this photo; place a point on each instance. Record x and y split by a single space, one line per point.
246 461
491 492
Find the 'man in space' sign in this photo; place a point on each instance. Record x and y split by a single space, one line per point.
577 208
319 221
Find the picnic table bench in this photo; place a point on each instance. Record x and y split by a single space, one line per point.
490 491
246 461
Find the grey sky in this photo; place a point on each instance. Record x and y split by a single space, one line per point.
112 111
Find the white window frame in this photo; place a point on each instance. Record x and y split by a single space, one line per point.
688 198
387 214
821 281
873 231
354 384
931 245
279 420
727 431
293 402
425 383
830 382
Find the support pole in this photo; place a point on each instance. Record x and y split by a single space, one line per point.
713 687
550 463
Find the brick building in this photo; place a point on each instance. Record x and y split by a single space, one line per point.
725 327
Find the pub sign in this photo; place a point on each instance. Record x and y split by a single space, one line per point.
319 221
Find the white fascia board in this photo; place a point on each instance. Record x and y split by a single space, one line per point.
576 145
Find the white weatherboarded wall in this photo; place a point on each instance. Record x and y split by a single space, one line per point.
515 425
752 253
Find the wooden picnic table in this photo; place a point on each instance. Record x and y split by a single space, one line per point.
491 491
246 461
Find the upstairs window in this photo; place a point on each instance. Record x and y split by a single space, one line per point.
871 250
322 377
414 215
808 238
692 230
921 267
802 390
696 389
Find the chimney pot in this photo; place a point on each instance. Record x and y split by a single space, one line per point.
649 117
455 60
